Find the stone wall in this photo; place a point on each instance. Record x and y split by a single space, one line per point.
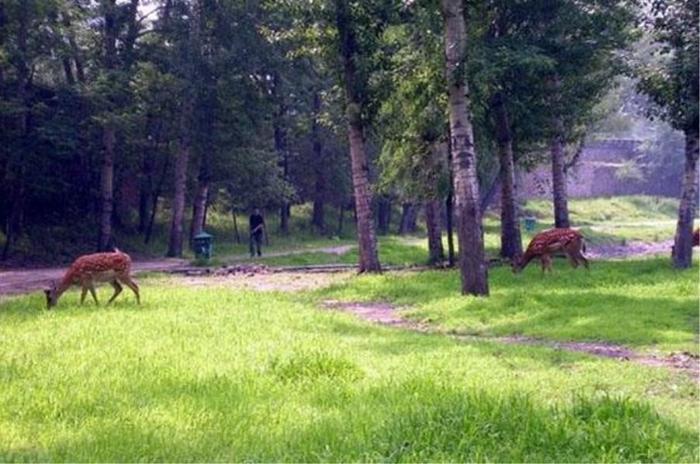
596 174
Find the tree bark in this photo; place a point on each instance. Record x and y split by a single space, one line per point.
383 215
341 216
107 188
235 226
511 241
436 254
199 208
449 207
682 255
472 263
318 218
409 218
154 200
185 137
280 135
367 240
17 163
559 190
109 132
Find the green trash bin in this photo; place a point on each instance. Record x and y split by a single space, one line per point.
530 223
203 246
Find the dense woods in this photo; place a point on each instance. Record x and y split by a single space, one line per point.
120 115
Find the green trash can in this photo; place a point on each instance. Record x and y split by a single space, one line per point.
530 223
203 246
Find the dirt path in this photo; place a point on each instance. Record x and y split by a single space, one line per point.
18 281
330 250
386 314
629 250
13 282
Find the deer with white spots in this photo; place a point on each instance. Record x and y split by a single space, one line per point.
546 243
87 270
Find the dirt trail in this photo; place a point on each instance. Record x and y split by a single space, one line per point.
18 281
386 314
13 282
629 250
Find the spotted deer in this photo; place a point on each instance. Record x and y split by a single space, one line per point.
549 242
87 270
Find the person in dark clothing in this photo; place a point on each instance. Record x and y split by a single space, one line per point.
257 228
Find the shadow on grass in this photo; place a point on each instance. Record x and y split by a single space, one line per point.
421 421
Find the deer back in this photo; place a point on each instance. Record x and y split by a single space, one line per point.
552 241
99 265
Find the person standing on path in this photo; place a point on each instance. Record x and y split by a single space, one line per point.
257 229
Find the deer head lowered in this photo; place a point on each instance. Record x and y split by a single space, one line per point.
87 270
548 242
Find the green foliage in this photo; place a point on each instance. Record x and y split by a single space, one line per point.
672 81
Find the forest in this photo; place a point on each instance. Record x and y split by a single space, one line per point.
122 120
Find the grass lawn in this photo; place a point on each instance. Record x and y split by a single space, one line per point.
641 303
217 374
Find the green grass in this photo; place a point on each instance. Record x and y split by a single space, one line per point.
227 375
641 303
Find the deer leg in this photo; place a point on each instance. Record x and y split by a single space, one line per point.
546 263
91 287
117 290
580 257
572 259
127 280
83 294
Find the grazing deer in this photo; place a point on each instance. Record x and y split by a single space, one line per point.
548 242
87 270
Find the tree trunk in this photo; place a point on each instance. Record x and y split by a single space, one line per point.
409 218
559 191
199 208
449 206
17 163
318 219
178 213
341 216
280 135
383 215
511 241
235 226
367 240
436 254
146 186
154 200
109 133
472 263
185 137
107 188
682 255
